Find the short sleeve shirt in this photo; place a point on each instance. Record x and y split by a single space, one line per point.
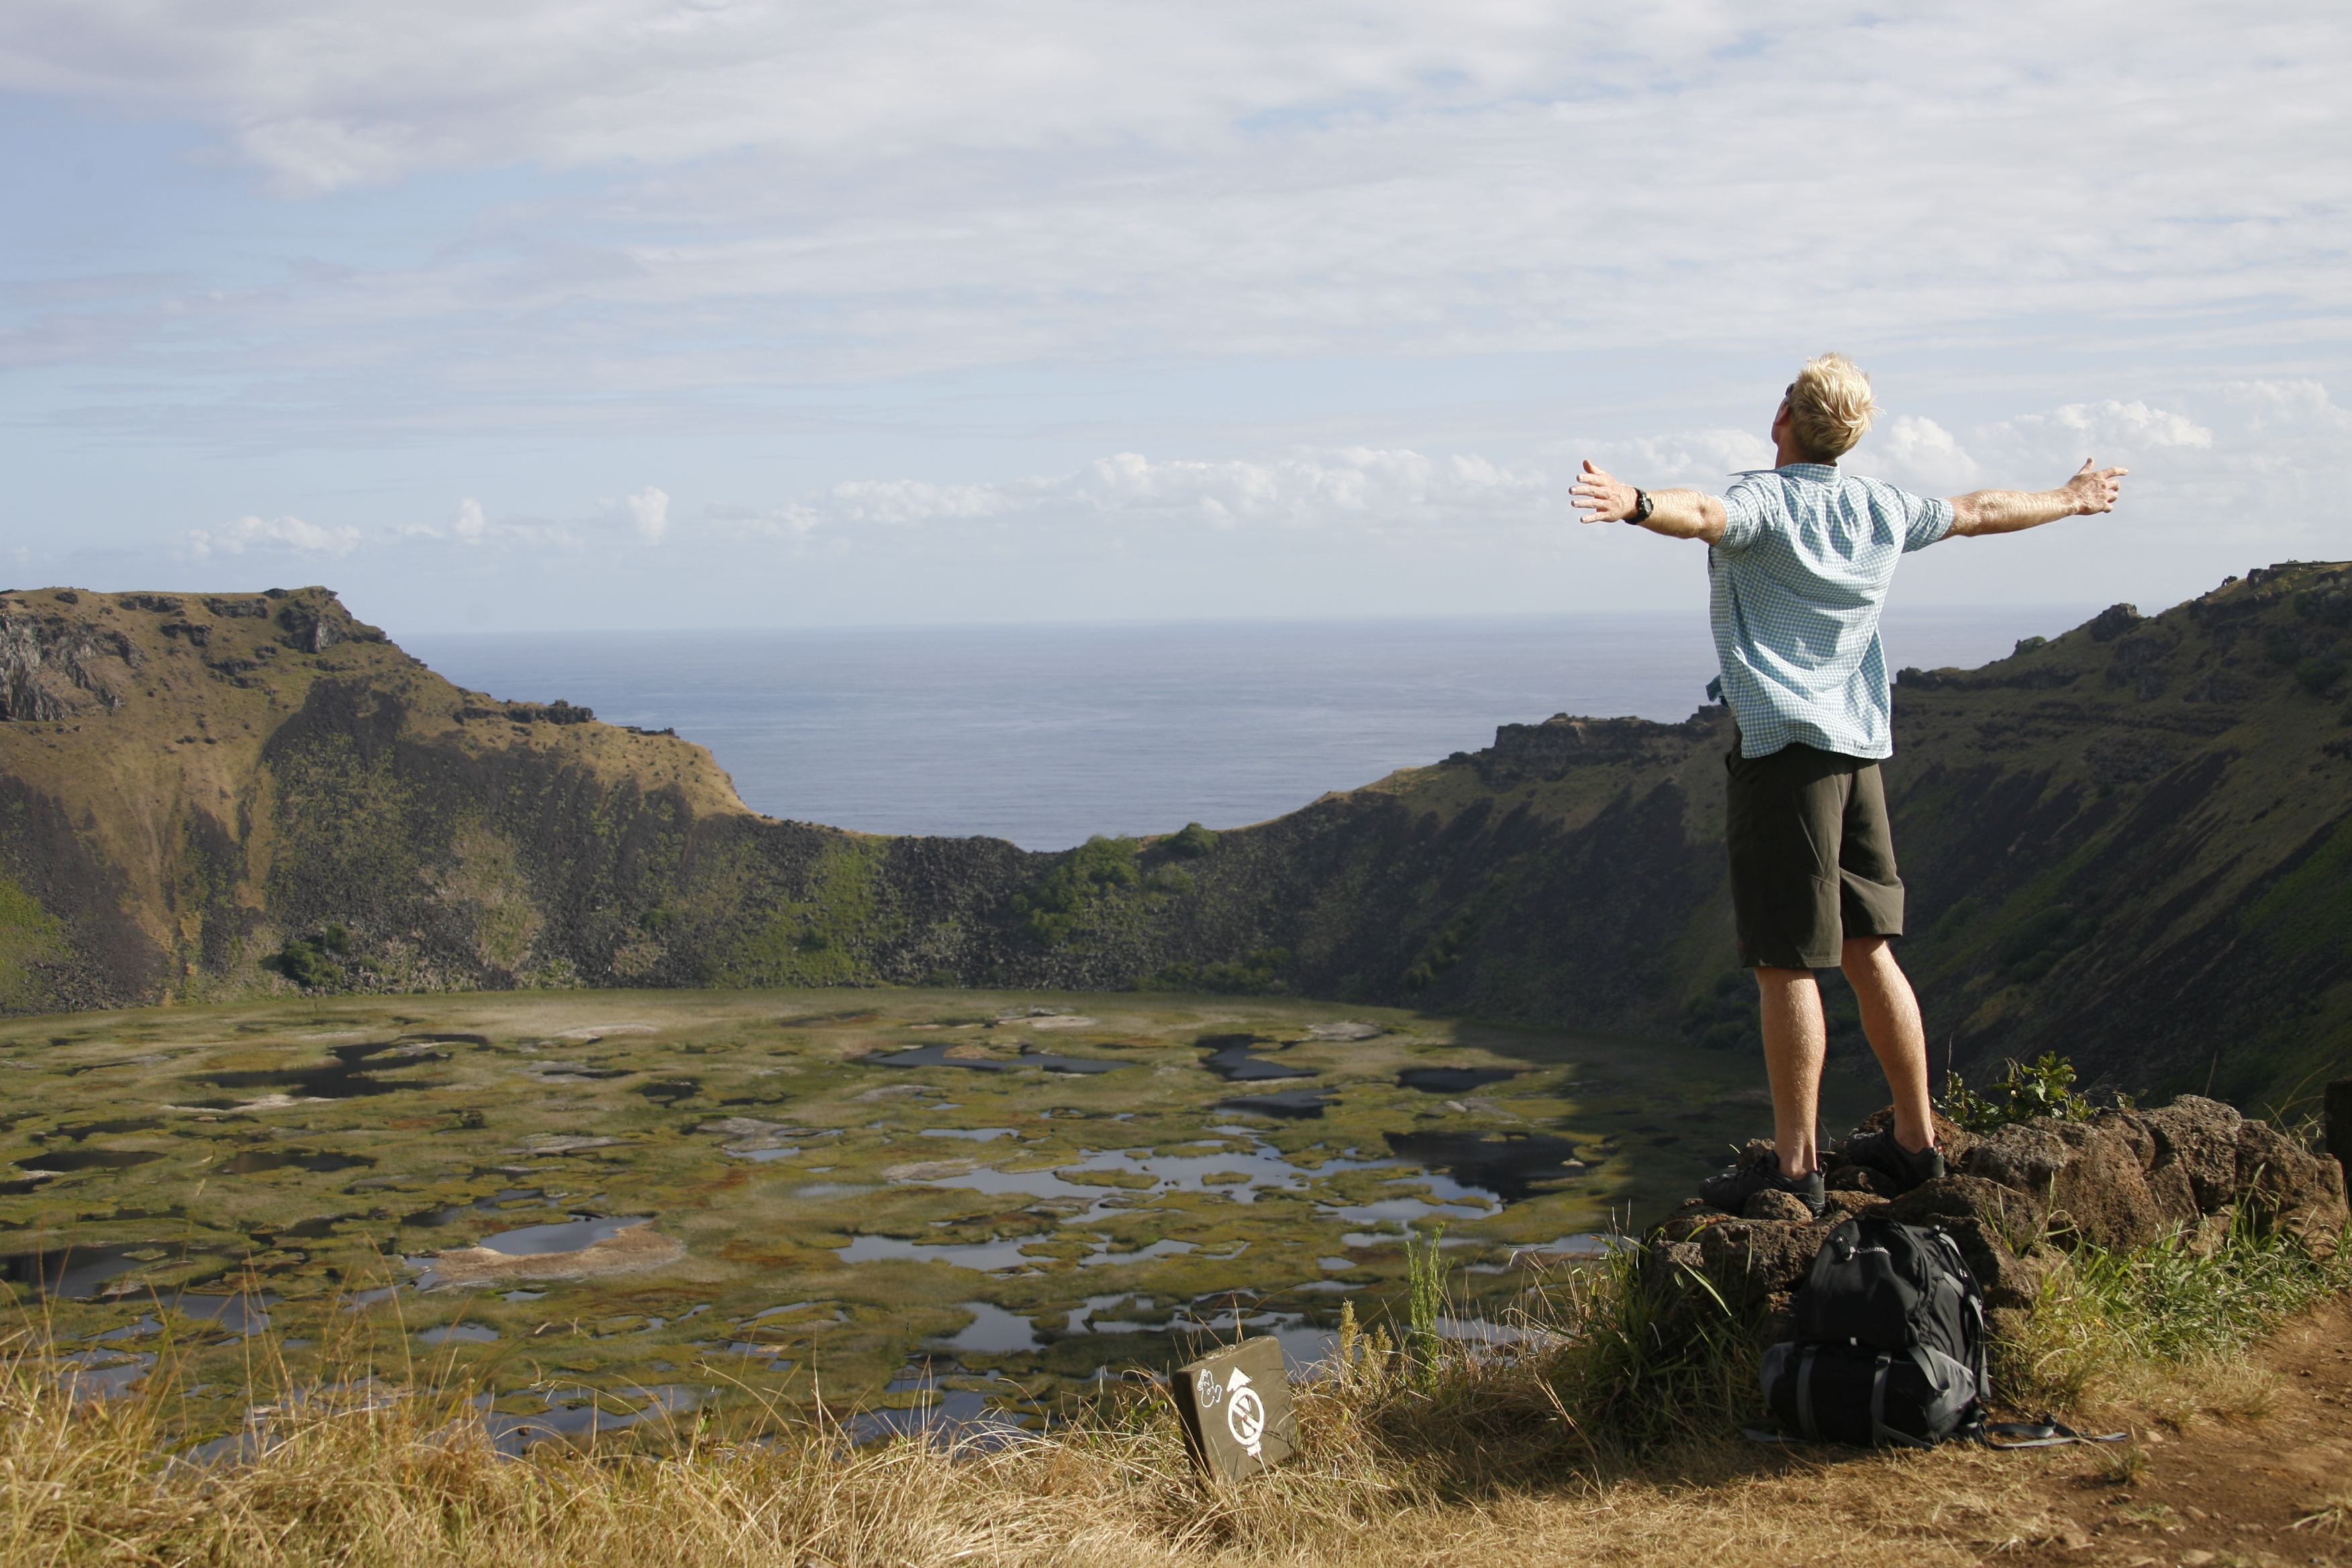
1796 585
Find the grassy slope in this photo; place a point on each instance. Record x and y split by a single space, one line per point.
2128 844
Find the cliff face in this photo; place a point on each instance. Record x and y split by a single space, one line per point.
2129 842
188 786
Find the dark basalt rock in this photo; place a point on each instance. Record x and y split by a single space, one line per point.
1748 1260
2114 622
1522 753
2289 1188
2088 1179
2191 1152
2016 1195
314 620
1773 1205
556 712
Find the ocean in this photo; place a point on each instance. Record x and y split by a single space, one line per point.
1047 734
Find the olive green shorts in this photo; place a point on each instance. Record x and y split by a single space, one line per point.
1813 861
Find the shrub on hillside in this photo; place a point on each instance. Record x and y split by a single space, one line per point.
1190 842
1052 910
308 963
1254 972
2319 675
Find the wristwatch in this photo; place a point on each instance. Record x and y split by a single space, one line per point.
1643 507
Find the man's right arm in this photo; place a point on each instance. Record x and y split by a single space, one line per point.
2008 511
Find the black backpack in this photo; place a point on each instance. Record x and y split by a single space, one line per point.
1887 1345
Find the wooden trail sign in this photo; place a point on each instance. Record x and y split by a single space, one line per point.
1235 1405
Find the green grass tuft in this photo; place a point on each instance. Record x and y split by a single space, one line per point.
2104 1316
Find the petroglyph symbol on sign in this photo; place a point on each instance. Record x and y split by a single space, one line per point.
1246 1414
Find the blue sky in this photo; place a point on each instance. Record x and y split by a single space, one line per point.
641 313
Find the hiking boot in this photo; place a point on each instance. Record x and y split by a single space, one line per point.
1730 1189
1879 1152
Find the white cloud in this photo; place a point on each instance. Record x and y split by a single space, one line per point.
2225 476
2037 451
328 94
2109 434
803 190
1355 490
469 524
1702 459
2293 408
1920 455
649 507
280 532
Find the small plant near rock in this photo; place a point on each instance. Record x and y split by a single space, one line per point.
2124 1467
2046 1088
2332 1514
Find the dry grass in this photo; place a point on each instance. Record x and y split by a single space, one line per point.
1601 1442
409 1482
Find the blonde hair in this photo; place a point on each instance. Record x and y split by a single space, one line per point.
1829 407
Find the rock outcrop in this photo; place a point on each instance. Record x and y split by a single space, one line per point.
2015 1196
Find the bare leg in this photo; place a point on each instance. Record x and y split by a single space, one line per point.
1890 1017
1795 1041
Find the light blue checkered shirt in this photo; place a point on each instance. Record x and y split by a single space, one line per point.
1806 557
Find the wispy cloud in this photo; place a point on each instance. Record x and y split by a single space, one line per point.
1330 499
799 191
272 533
2032 451
1356 490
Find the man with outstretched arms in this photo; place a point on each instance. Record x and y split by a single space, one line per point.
1798 558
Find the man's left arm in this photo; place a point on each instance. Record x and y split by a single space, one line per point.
2012 511
1677 514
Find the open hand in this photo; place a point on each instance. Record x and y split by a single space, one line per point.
2095 491
1605 497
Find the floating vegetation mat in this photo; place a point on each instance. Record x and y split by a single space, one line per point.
938 1206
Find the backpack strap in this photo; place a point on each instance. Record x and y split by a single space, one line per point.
1880 1432
1973 1300
1805 1422
2042 1434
